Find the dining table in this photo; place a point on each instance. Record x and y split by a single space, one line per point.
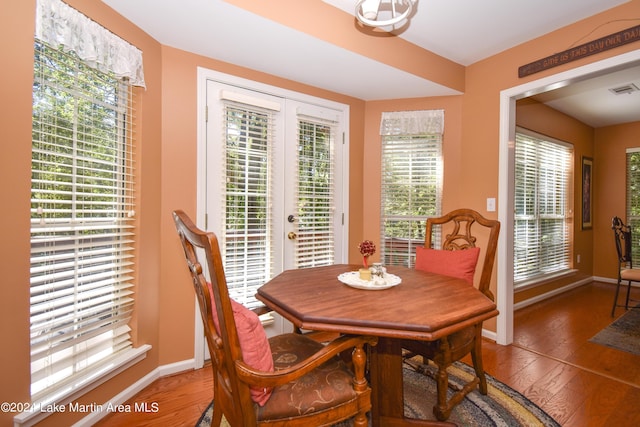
408 304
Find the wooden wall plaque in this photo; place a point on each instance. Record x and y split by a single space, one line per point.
591 48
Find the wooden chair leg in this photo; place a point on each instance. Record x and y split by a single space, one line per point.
216 419
476 357
358 360
443 407
360 420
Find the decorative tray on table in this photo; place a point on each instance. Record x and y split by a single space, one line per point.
352 278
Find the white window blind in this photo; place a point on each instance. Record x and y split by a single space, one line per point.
82 220
543 175
315 192
633 200
411 181
247 220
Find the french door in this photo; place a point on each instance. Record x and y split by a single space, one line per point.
275 184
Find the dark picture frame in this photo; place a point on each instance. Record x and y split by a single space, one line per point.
587 193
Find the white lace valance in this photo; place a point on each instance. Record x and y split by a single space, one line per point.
59 24
424 122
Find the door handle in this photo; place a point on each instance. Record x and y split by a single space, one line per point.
292 235
291 218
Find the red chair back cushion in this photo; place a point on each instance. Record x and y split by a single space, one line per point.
256 351
460 264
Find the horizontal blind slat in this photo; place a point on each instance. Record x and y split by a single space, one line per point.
82 218
246 242
541 239
314 191
410 192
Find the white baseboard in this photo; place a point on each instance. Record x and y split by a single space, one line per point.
135 388
615 281
552 293
489 334
605 279
174 368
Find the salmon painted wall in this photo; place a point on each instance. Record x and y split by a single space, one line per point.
486 79
164 314
609 170
478 155
16 34
16 44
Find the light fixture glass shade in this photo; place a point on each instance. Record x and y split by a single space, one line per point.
383 13
370 9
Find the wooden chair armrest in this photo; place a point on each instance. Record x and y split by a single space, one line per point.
255 377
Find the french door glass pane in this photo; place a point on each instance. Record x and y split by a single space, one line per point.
247 235
315 195
270 182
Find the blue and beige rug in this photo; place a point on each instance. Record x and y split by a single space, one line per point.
623 334
502 406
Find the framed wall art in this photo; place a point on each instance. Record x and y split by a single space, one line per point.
587 199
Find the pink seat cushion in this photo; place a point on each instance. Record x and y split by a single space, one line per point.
460 264
254 344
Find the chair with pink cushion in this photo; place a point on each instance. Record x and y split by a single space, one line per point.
288 379
464 234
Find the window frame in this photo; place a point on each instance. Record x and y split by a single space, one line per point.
108 190
401 249
538 273
632 199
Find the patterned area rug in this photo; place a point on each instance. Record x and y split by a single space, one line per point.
623 334
502 406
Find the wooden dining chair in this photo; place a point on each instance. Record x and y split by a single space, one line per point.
457 257
626 272
288 379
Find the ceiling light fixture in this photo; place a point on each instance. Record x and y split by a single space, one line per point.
383 13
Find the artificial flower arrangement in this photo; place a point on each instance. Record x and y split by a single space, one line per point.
367 248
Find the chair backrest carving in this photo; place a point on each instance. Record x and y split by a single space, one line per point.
456 227
623 239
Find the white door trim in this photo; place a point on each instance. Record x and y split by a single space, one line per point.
508 99
203 76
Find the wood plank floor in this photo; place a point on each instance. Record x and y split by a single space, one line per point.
551 362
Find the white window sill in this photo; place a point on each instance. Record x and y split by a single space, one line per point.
60 401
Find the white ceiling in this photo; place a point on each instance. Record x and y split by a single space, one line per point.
464 31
